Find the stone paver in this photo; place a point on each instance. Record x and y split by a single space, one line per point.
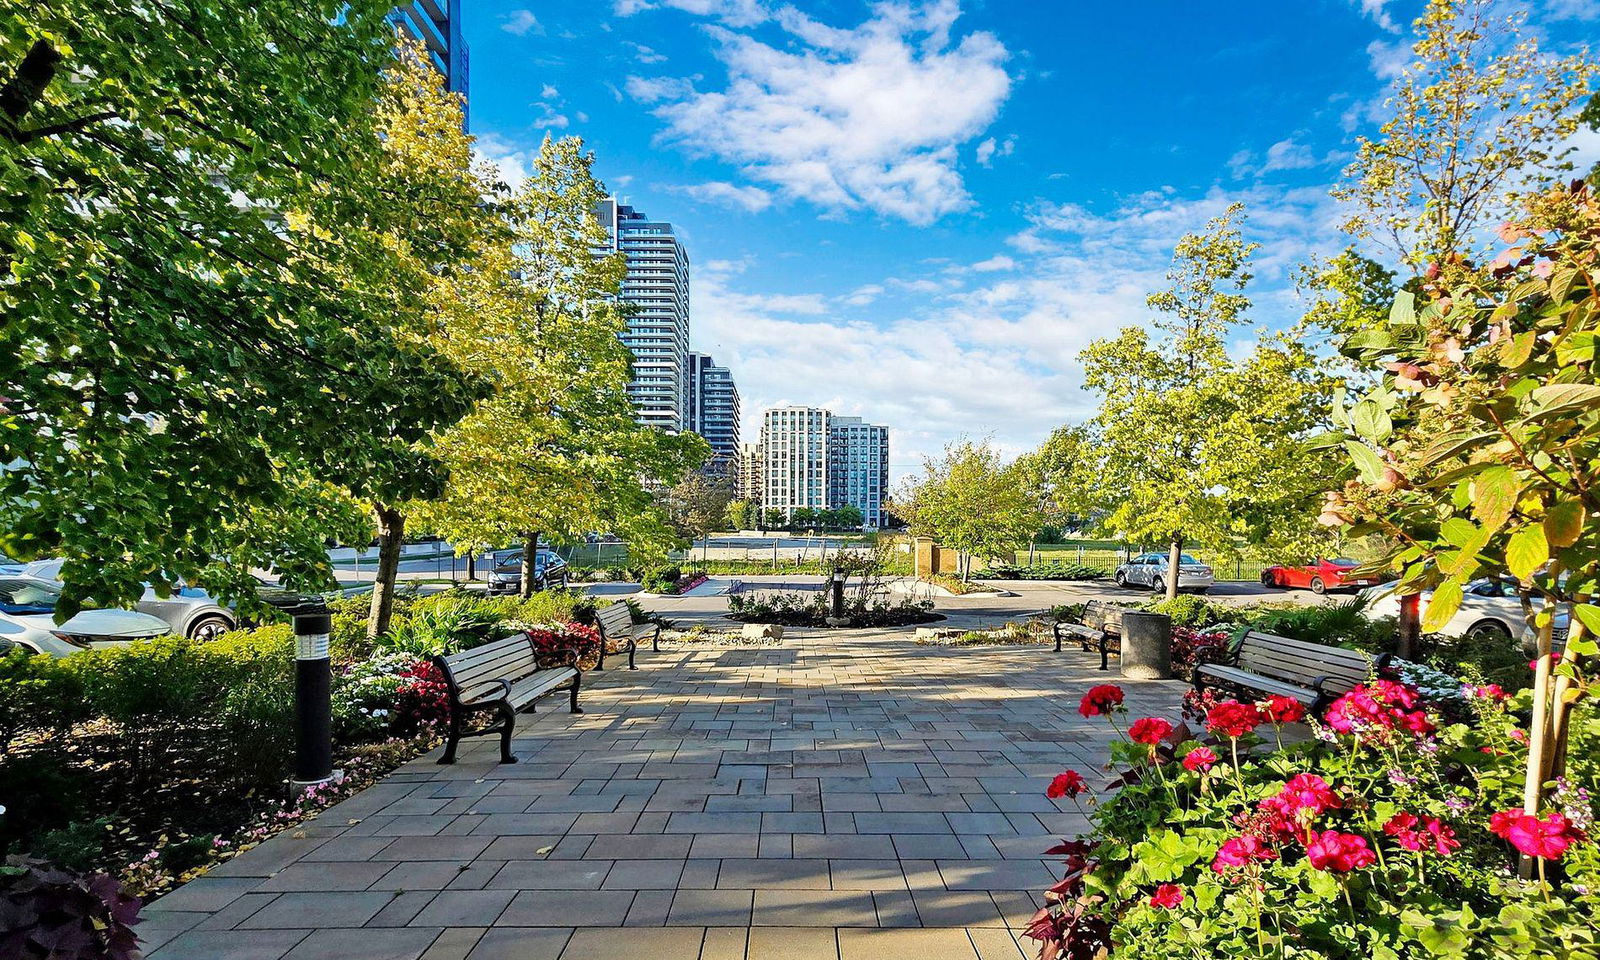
842 796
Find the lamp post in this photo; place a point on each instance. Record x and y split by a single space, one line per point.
313 712
836 617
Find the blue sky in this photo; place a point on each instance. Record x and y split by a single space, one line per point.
920 212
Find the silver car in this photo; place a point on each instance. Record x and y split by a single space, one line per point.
1150 570
188 611
27 621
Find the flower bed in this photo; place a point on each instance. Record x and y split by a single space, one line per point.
686 584
811 610
1392 833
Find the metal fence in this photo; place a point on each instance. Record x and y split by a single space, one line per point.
1096 554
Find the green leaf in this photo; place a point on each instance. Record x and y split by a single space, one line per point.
1444 603
1366 460
1166 856
1555 398
1527 552
1563 523
1494 496
1370 420
1404 310
1589 615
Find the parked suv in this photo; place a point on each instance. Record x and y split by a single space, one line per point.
1150 570
549 570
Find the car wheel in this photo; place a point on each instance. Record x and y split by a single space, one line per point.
1489 630
207 629
1318 587
1158 585
1267 579
1121 579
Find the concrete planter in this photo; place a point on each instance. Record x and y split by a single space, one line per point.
1146 645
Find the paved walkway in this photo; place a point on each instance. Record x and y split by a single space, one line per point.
841 797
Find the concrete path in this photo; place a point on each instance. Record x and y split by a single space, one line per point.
846 796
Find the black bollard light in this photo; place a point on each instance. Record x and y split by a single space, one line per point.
836 617
313 711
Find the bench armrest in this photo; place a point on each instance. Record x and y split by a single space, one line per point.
502 685
1212 653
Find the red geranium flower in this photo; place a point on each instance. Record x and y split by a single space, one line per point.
1281 710
1068 784
1149 730
1167 896
1241 851
1200 759
1547 837
1233 719
1341 852
1101 700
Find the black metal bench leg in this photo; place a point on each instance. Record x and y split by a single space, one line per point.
508 716
602 664
453 738
577 681
1057 632
655 641
1105 653
633 648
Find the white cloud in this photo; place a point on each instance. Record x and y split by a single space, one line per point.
644 54
521 23
1289 154
549 92
1377 11
864 294
989 149
738 13
848 119
748 198
1388 60
513 162
997 262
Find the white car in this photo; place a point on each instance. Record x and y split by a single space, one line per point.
1150 570
188 611
27 620
1489 608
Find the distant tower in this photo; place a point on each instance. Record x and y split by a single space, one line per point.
436 24
810 458
656 290
714 411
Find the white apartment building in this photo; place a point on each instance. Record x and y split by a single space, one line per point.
811 458
656 290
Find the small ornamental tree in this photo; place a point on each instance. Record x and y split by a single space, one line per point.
970 501
1479 451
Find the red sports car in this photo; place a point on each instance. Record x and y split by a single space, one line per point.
1319 576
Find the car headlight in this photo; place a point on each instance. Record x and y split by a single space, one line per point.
73 639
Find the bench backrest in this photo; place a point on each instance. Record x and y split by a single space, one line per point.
615 619
471 670
1301 663
1103 616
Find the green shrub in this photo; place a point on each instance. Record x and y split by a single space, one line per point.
1190 610
1053 570
40 791
661 579
77 846
39 693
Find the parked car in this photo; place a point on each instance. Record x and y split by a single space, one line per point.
27 620
1150 570
1489 608
188 611
549 570
1319 576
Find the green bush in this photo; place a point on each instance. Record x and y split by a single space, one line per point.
1190 610
37 692
1053 570
78 846
661 579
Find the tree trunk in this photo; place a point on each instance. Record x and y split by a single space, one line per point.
391 537
530 552
472 564
1173 558
1539 747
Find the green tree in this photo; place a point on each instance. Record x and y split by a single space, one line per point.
192 356
970 501
698 505
848 517
1190 444
426 202
554 452
1481 113
739 515
775 519
1478 452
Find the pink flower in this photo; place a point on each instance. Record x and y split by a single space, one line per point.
1167 896
1241 852
1232 719
1543 269
1340 852
1490 691
1149 730
1199 759
1303 798
1068 784
1100 700
1547 837
1281 710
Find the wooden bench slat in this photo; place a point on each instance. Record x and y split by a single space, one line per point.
1309 672
503 676
616 626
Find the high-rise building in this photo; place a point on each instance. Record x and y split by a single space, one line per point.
656 289
858 467
811 459
436 24
748 476
713 411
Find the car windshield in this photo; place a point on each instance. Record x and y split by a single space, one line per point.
1344 562
27 596
1185 558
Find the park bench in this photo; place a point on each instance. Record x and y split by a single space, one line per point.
1313 673
616 625
503 677
1099 628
